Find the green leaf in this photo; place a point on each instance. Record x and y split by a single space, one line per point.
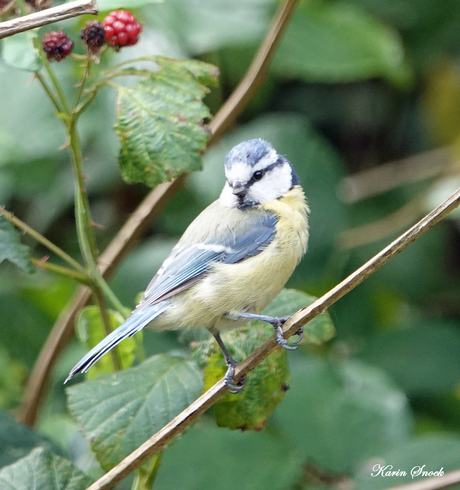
160 122
319 330
42 470
339 414
422 358
90 331
209 457
119 412
338 42
11 248
105 5
205 73
434 453
265 386
18 52
16 440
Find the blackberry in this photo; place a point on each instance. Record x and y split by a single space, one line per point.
93 35
57 45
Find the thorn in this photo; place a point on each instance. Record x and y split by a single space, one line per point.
65 145
42 261
97 225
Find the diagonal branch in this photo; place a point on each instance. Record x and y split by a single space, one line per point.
48 16
300 318
62 331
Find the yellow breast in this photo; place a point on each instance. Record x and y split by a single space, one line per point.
253 283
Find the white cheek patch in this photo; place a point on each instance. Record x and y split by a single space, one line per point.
227 198
274 184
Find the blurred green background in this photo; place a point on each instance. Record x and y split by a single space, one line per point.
354 85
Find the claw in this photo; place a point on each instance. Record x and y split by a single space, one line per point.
282 341
233 387
299 334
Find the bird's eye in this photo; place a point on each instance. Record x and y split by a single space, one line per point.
258 175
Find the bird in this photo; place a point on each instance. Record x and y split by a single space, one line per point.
231 261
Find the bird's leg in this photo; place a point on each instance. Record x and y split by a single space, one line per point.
277 323
231 365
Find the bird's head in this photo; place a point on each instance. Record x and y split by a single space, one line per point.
256 174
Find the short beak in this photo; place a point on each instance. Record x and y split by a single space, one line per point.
238 188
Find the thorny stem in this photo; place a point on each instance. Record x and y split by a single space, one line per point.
50 94
88 63
83 219
41 239
63 271
61 95
82 211
110 295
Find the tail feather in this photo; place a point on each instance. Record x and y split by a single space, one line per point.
134 323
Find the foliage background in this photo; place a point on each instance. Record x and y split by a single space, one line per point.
354 85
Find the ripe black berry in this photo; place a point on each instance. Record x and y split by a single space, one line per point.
121 28
57 45
93 35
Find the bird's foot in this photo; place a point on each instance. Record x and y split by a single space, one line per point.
233 386
278 324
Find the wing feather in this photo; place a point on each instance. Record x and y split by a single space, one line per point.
187 263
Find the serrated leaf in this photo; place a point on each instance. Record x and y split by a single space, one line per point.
42 470
105 5
11 248
16 440
338 42
160 122
90 331
205 73
18 52
118 412
317 331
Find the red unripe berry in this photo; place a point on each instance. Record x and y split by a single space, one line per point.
57 45
121 28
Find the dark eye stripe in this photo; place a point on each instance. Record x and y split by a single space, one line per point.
263 171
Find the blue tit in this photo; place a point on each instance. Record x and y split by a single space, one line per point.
233 259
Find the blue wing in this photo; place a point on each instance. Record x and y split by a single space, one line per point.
187 263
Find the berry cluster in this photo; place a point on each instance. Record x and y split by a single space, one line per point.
57 45
120 28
